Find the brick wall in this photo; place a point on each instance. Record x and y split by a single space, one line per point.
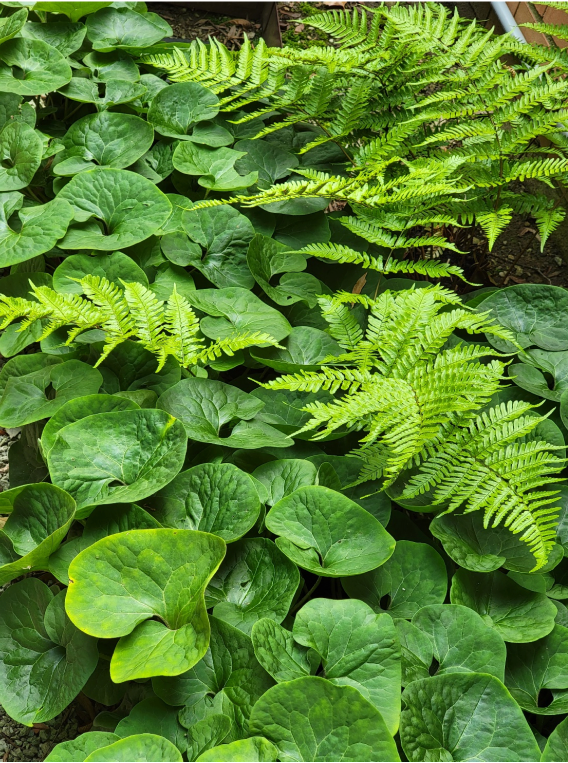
522 13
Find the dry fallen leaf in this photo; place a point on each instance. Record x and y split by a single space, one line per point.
358 288
299 28
241 22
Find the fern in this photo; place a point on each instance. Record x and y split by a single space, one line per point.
165 329
418 401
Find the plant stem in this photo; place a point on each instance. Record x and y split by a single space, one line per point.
305 598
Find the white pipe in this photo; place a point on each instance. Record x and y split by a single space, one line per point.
507 20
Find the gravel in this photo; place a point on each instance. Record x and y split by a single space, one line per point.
22 743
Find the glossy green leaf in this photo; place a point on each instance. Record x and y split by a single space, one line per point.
114 592
153 713
21 150
282 477
414 576
129 207
40 393
39 520
176 109
207 733
78 749
111 93
324 532
480 549
214 167
66 37
72 10
11 25
517 614
283 408
556 749
107 139
115 267
44 659
530 374
311 719
229 672
460 642
254 749
33 230
134 368
120 27
267 258
216 498
112 66
208 408
42 68
463 717
122 456
304 350
254 581
358 648
535 313
270 162
540 665
279 654
140 747
234 310
224 235
156 164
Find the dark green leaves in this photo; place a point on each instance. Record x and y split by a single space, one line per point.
42 68
113 209
463 717
21 150
214 498
31 231
44 659
415 575
326 533
310 719
114 592
176 109
116 457
112 28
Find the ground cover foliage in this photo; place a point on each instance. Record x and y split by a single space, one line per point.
300 484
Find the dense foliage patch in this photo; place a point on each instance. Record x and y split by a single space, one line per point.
303 500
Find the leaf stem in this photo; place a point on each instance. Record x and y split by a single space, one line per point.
305 598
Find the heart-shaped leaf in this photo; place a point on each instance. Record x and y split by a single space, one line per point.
311 719
176 109
269 161
229 668
150 748
129 207
156 164
450 639
279 654
44 659
21 150
462 717
111 93
255 580
207 408
11 25
517 614
304 350
65 37
80 748
234 310
121 457
530 374
169 646
107 139
282 477
535 313
215 167
39 67
267 258
284 409
153 713
415 575
74 12
540 665
120 27
115 267
254 749
358 648
37 230
216 498
224 234
104 521
324 532
131 367
112 66
33 390
40 518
